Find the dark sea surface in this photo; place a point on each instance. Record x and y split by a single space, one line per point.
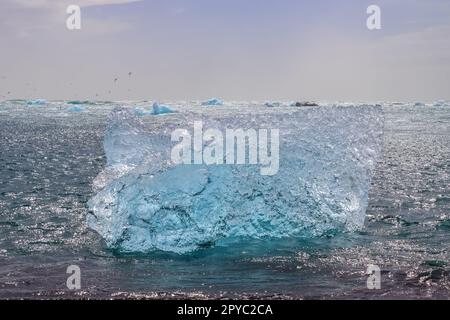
49 158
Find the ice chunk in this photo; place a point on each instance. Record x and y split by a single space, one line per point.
160 109
144 202
213 102
37 102
419 104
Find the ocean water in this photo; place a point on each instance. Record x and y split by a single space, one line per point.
50 156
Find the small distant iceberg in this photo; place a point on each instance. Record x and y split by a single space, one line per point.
76 108
440 103
276 104
37 102
273 104
78 102
213 102
160 109
157 109
419 104
304 104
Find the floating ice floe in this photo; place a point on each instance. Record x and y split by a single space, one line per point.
37 102
144 202
213 102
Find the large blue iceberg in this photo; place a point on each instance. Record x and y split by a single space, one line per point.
145 203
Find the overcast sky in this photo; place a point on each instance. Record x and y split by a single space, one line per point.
232 49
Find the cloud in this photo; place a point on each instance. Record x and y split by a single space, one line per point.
429 46
20 19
